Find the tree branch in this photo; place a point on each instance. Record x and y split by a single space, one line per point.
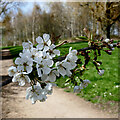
61 58
115 19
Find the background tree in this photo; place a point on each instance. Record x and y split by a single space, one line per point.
107 14
61 21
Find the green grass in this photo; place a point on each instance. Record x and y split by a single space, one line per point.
102 88
7 47
15 51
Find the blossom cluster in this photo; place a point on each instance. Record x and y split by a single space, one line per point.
83 85
111 48
36 65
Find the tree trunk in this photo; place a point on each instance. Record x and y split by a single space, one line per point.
108 31
108 4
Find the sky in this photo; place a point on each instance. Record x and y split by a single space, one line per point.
28 6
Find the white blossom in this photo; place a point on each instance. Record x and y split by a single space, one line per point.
107 40
60 68
101 72
68 64
27 45
77 89
24 64
33 92
46 55
38 93
11 71
52 76
43 67
98 63
43 43
48 88
34 53
25 54
74 52
71 57
111 45
40 59
53 52
113 48
85 83
21 78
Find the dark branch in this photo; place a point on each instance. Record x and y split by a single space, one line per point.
62 58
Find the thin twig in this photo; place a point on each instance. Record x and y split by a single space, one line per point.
61 44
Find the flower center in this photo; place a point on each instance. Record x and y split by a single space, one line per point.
45 44
33 56
25 64
50 51
41 66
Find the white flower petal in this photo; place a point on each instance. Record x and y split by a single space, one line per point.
68 72
48 62
18 61
74 52
29 69
48 86
26 45
14 79
77 89
56 52
28 92
70 49
111 45
20 68
101 72
62 71
44 77
52 77
38 84
107 40
46 37
22 82
73 65
33 99
29 61
113 48
46 70
39 39
39 72
12 70
56 73
40 46
46 48
49 42
66 65
27 78
52 47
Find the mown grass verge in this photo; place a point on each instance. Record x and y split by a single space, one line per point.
102 88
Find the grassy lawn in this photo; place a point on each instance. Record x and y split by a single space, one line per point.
102 88
7 47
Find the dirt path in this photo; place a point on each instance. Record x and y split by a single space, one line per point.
58 105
